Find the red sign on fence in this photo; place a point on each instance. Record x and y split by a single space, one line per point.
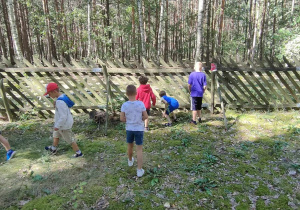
213 67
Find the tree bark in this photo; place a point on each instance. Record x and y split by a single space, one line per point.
160 29
208 32
14 30
166 54
219 48
141 22
3 45
89 28
199 29
261 34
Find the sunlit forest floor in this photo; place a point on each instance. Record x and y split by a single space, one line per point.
254 165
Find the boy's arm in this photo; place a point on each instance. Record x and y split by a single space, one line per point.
122 117
204 84
190 87
153 98
145 115
62 109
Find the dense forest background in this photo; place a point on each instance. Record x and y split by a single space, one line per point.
131 29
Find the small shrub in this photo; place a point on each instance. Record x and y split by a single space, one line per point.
155 173
205 185
238 153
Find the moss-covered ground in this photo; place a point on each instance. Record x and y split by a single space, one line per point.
254 165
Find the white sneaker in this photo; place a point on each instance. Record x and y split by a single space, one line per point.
140 172
130 163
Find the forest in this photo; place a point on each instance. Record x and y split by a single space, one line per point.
131 29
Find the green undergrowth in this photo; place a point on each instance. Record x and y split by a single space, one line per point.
254 164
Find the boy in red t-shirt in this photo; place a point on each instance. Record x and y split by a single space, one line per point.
146 95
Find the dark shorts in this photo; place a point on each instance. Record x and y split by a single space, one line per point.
170 109
136 136
148 111
196 103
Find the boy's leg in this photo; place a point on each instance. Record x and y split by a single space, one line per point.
174 115
169 119
130 151
68 137
5 143
199 113
139 138
55 142
146 123
195 115
139 151
75 146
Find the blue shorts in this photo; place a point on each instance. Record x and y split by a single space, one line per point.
136 136
170 109
196 103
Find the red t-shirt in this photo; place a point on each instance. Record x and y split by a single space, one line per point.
144 94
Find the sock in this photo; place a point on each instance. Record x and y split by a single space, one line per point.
78 152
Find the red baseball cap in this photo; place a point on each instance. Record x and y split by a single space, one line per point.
51 86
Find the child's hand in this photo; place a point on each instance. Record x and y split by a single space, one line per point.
56 129
54 103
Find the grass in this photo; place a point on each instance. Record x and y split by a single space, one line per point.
194 167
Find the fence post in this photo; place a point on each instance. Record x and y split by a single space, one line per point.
108 97
222 103
213 81
5 101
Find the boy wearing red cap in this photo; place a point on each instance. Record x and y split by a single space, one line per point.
63 120
146 95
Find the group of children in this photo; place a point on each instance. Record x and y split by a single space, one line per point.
134 112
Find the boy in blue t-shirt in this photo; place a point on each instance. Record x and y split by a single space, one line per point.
170 105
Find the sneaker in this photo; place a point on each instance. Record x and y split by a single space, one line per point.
10 154
168 124
78 155
140 172
193 122
130 162
49 148
199 120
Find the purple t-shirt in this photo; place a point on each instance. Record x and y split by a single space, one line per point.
197 80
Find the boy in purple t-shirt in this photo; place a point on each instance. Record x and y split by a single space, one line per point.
197 86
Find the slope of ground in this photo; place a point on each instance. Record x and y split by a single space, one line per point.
255 164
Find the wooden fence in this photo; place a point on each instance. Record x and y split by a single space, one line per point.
261 85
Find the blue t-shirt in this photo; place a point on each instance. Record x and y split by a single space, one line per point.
197 80
171 101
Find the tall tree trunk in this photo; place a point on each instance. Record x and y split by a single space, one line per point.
59 30
166 33
3 45
261 33
47 21
89 28
219 48
274 31
256 9
26 48
141 22
8 31
161 17
133 28
14 30
208 32
199 29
